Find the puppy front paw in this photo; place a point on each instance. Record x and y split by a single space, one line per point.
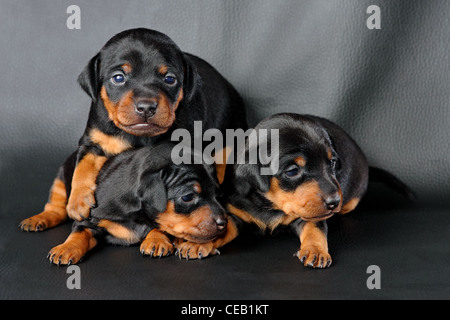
191 250
314 257
80 203
44 220
66 254
156 244
35 223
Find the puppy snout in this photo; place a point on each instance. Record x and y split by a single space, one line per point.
146 108
332 201
221 222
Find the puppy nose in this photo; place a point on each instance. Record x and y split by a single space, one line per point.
146 108
221 222
332 201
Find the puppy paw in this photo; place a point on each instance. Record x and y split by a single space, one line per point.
36 223
44 220
157 246
80 203
314 257
65 254
191 250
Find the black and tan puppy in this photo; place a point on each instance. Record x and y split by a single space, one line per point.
320 171
142 197
142 88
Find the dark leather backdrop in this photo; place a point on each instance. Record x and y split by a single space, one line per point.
388 88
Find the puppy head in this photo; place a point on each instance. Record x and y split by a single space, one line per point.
140 77
305 185
181 200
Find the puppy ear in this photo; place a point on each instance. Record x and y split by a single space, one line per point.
151 189
248 176
192 80
88 79
220 162
152 193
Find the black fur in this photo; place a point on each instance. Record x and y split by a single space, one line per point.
135 189
208 97
163 89
331 161
308 136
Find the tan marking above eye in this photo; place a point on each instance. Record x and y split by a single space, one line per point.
163 69
329 154
197 188
126 67
300 161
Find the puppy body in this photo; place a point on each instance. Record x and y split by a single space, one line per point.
142 88
321 172
143 197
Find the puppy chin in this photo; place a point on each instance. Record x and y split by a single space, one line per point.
202 237
318 218
199 239
144 129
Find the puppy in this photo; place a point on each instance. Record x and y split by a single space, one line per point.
142 197
142 88
321 171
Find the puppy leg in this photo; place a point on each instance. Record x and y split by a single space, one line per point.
74 248
82 198
156 244
314 246
349 206
192 250
54 211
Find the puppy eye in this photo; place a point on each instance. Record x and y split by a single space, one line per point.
170 79
333 163
292 172
188 197
118 78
